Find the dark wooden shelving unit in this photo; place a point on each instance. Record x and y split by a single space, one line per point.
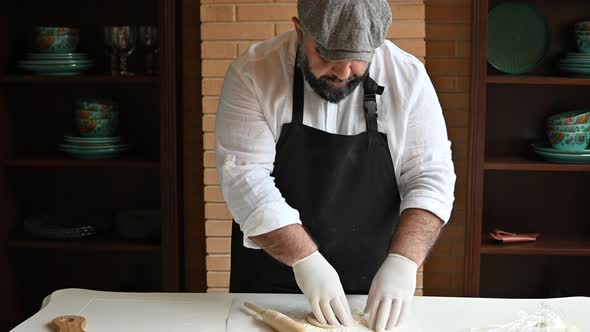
36 178
66 163
82 79
510 188
537 80
103 243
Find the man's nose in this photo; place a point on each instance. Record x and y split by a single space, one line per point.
342 69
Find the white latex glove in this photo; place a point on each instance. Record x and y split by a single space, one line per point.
321 285
391 293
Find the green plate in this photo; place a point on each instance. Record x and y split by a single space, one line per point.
95 147
54 62
56 69
575 69
57 55
92 140
544 147
564 158
518 37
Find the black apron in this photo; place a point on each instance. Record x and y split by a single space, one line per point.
345 190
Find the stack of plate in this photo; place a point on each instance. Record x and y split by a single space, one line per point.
66 64
93 147
575 64
548 153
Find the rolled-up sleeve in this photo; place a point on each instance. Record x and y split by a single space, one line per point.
427 176
245 152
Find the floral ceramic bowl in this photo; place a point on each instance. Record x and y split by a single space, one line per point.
97 105
569 128
56 31
90 115
57 39
582 25
574 140
581 116
97 127
583 42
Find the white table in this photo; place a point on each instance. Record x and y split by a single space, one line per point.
147 312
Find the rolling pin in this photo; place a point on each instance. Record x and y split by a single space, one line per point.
69 324
277 320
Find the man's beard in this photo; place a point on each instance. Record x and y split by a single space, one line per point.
321 85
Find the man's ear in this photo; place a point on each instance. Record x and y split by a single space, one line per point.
298 28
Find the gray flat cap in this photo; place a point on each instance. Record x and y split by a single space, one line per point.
345 29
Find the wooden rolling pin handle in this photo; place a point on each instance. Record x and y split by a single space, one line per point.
277 320
69 323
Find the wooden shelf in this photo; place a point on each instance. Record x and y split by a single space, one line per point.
99 243
537 80
551 246
81 79
523 164
67 163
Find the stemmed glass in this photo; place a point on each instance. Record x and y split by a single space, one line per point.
148 35
121 42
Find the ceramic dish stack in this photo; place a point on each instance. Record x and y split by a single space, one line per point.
55 53
97 122
578 63
569 135
67 64
92 148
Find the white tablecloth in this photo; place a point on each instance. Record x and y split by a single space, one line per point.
151 312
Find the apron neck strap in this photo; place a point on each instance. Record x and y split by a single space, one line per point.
371 90
297 96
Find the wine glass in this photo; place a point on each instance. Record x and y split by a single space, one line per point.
121 41
148 35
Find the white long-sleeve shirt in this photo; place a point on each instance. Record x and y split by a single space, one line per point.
256 100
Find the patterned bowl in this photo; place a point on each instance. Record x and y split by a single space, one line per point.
581 116
574 140
97 127
583 42
57 44
569 128
91 115
97 105
582 25
56 31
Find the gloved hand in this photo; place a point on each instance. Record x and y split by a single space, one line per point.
321 285
391 293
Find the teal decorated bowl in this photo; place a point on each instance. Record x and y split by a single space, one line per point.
56 31
574 140
97 127
582 25
91 115
569 128
581 116
97 105
583 42
57 44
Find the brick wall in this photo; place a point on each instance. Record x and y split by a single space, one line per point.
229 26
448 34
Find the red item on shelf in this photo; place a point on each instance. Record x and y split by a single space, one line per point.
504 236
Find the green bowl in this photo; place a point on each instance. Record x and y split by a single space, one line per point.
582 25
57 44
96 105
91 115
574 140
97 127
569 128
56 31
583 42
580 116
